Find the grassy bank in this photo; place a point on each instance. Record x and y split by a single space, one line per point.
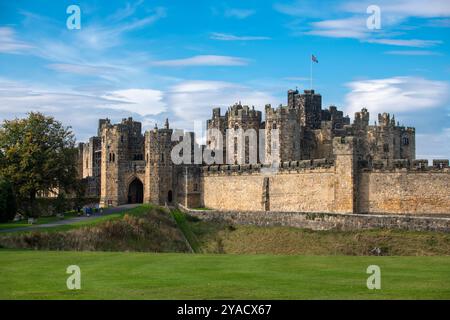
219 237
145 228
191 276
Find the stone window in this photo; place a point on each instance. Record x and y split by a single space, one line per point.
195 187
405 141
121 138
274 125
386 147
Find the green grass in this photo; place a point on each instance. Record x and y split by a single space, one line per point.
221 237
42 275
94 220
183 224
40 220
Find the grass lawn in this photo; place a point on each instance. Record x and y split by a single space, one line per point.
93 220
114 275
40 220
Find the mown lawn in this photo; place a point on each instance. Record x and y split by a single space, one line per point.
42 275
40 220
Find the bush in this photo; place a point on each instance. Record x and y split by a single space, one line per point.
8 206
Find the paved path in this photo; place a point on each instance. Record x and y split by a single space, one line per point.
106 212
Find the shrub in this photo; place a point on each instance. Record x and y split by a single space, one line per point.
8 206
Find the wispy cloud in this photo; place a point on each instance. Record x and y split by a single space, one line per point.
140 101
406 42
100 37
10 44
352 19
192 100
397 94
239 13
413 53
354 27
104 71
231 37
203 60
403 8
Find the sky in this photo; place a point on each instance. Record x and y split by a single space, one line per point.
178 59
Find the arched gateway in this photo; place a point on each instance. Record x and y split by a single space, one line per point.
136 191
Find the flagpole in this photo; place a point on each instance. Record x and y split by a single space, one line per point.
310 72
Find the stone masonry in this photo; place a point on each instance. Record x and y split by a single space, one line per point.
326 164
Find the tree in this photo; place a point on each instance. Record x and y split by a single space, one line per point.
7 201
38 156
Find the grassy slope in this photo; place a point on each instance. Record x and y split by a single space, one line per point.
94 220
189 276
145 228
215 237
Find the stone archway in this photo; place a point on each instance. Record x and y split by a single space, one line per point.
136 191
169 196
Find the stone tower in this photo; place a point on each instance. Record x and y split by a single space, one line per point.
122 167
159 169
285 121
248 121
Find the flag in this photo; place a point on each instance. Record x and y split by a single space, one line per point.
314 59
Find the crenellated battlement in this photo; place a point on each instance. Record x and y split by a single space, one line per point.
419 165
288 166
239 111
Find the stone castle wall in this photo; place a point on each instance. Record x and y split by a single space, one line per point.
404 191
319 186
324 221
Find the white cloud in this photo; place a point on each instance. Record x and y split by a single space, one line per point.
404 8
239 13
406 43
9 43
203 60
231 37
413 53
103 71
193 100
140 101
397 94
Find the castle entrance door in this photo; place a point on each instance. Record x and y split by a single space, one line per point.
136 192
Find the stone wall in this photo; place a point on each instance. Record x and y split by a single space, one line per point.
325 221
405 192
294 188
330 187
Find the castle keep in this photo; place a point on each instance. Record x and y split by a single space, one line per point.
326 163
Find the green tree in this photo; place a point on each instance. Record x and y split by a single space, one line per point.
38 156
7 201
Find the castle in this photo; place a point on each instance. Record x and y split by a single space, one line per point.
325 163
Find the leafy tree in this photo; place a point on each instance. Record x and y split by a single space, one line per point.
61 203
38 156
7 201
80 192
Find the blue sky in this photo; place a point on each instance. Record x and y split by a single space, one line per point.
178 59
